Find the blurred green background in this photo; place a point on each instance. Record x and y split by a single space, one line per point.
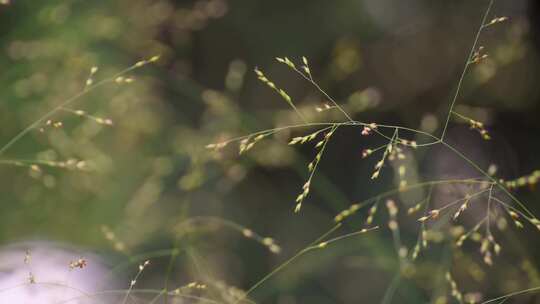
387 61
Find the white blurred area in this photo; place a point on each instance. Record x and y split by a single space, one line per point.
44 273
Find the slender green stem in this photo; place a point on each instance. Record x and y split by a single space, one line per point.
461 116
287 262
87 295
315 163
455 202
466 68
423 224
420 185
226 223
316 85
513 294
163 292
139 258
435 140
132 283
170 267
391 290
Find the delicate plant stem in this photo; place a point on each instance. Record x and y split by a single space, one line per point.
174 254
287 262
466 68
489 177
316 85
512 294
391 290
317 244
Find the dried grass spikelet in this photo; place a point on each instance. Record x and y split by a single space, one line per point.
144 62
535 222
154 58
126 79
416 207
378 166
286 61
488 247
527 180
27 261
110 236
496 20
455 292
431 214
422 242
324 107
397 158
187 288
305 65
402 180
36 168
371 214
281 92
392 212
492 170
90 79
55 124
366 152
368 129
134 280
474 125
198 223
484 250
270 243
472 297
396 153
96 119
143 265
324 244
300 198
472 234
409 143
122 80
306 138
248 143
392 152
515 218
392 208
462 207
216 146
312 166
79 263
502 223
347 212
403 252
478 56
415 252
